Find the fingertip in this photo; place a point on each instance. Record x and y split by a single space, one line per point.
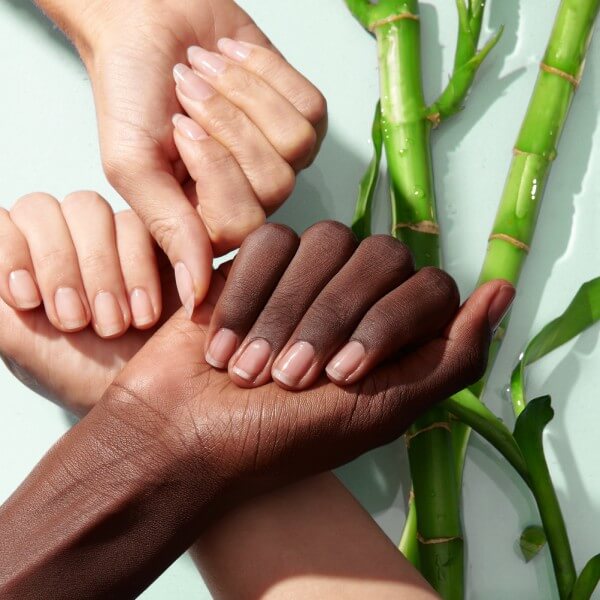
188 128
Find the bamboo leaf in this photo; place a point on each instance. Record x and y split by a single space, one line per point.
532 540
588 580
582 312
361 223
528 432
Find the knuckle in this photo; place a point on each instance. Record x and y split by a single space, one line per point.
120 170
297 144
33 203
390 253
213 162
440 283
233 227
314 106
96 262
85 200
273 233
333 231
55 259
279 186
165 229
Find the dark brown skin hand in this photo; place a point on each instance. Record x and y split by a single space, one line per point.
173 442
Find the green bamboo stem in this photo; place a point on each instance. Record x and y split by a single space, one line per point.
534 153
406 135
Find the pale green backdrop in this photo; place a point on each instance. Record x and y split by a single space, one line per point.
49 143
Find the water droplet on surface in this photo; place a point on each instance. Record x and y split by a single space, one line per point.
418 192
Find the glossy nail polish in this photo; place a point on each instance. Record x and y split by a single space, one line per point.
346 361
235 50
294 365
190 85
23 289
69 309
500 305
206 62
221 348
189 128
142 311
107 314
252 361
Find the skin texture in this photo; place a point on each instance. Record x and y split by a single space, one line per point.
130 50
75 370
185 443
79 244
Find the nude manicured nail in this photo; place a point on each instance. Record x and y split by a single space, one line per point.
191 85
234 50
142 310
108 314
253 360
500 305
23 289
295 364
189 128
209 63
69 309
346 361
221 348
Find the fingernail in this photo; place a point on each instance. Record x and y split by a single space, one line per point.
108 314
346 361
221 348
253 360
235 50
23 289
189 128
191 85
142 310
185 287
69 309
295 364
209 63
500 305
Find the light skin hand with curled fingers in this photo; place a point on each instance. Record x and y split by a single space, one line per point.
289 321
82 262
252 120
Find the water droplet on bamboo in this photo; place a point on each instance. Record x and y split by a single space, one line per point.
418 192
534 189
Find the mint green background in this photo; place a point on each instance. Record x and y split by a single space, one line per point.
49 143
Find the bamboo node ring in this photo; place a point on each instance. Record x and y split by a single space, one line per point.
435 119
421 227
574 81
510 240
437 425
438 540
391 19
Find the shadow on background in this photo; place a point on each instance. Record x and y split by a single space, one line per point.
29 11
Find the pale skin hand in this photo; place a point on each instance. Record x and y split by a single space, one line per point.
243 158
321 555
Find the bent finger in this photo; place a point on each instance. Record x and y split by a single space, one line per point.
412 313
17 283
40 220
226 201
139 269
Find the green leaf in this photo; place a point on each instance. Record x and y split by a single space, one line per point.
582 312
361 223
588 580
528 434
532 540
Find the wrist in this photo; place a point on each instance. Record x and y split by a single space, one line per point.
79 20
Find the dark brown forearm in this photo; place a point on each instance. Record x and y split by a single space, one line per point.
104 512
